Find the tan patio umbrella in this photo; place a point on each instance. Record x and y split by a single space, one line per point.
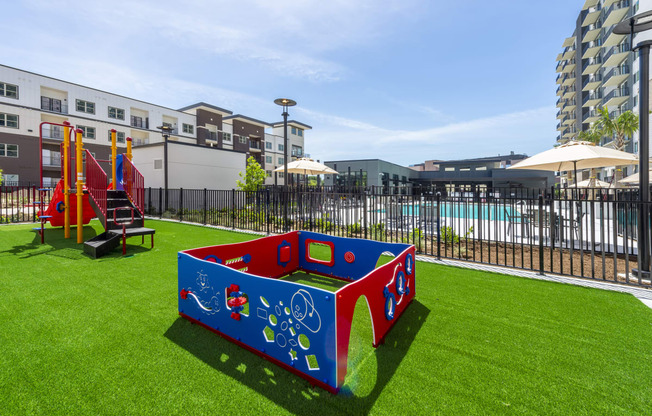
306 166
576 155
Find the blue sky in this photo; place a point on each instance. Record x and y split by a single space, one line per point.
400 80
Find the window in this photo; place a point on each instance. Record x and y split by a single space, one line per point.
465 169
243 139
12 179
268 145
87 132
449 169
281 174
8 150
8 90
8 120
167 124
297 151
137 122
188 128
116 113
481 168
269 173
158 164
85 107
227 137
281 161
300 132
119 136
268 159
280 148
294 130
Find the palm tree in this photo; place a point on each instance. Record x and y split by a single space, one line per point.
593 134
625 125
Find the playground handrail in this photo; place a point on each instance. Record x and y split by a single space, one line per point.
96 182
134 184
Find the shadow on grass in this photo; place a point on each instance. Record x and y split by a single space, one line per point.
288 390
57 245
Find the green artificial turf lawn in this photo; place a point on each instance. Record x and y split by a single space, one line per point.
84 336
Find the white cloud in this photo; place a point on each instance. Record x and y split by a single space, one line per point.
290 37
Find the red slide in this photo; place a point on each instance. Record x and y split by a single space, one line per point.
56 211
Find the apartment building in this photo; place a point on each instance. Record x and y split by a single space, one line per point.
596 69
27 100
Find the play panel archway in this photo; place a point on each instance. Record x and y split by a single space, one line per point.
235 290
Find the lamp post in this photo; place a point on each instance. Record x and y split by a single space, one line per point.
165 131
635 24
285 103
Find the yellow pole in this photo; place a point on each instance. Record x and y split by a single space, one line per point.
66 179
129 148
114 155
80 187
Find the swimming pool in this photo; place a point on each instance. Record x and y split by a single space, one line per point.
453 210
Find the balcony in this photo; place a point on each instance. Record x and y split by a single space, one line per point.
140 142
616 97
591 116
592 100
560 66
592 15
609 38
560 91
569 80
592 82
560 127
569 133
616 54
139 122
561 115
591 33
570 119
616 76
52 132
569 92
54 105
589 3
559 79
591 66
569 66
616 12
569 105
616 113
254 145
297 153
569 52
591 49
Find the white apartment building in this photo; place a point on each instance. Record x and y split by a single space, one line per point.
597 69
27 100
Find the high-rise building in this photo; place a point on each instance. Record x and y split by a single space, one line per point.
597 69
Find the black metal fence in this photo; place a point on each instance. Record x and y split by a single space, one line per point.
590 233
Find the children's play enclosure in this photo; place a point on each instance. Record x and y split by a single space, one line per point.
118 204
238 291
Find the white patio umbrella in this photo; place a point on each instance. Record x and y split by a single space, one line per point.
633 179
576 155
306 166
593 183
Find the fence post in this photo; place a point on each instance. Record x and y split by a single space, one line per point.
180 204
541 215
438 194
160 202
364 213
205 205
233 209
267 209
149 199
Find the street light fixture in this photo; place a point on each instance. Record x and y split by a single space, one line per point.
635 24
165 131
285 103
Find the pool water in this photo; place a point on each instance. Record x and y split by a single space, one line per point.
469 211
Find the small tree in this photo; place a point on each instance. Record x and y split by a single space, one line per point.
625 125
0 176
254 176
